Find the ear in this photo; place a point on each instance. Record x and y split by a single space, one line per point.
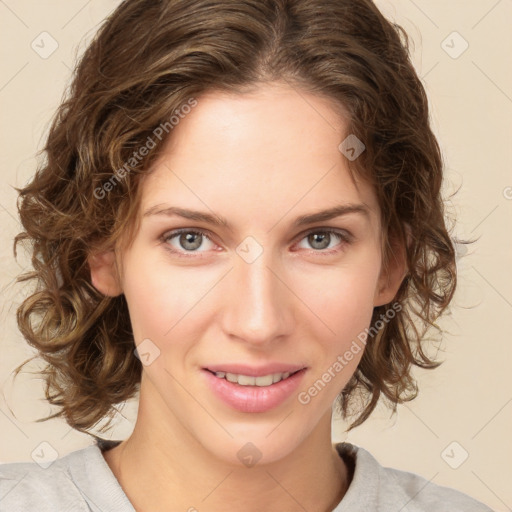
392 277
104 274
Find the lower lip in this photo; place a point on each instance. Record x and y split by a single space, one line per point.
254 398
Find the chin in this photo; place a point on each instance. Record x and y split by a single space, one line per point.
253 445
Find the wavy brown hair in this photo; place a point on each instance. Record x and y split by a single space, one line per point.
149 59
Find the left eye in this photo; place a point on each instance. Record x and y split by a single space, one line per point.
320 239
189 241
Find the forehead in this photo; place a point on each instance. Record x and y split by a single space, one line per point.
261 152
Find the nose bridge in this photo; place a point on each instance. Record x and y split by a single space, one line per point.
258 309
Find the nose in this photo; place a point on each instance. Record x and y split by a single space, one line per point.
258 305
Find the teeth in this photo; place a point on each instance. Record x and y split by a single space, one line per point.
247 380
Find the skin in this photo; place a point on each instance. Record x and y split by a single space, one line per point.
260 160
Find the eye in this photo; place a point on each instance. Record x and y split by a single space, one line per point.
321 239
185 240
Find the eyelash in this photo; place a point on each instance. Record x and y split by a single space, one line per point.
345 237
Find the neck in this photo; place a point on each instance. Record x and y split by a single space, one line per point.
165 468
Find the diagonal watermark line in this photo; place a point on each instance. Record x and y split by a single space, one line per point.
492 286
12 12
286 491
301 198
217 486
510 508
15 485
192 307
14 424
70 430
76 14
492 211
10 214
506 403
435 65
424 13
199 403
492 81
14 76
86 497
413 497
69 68
406 406
122 415
14 280
300 300
490 10
275 428
8 284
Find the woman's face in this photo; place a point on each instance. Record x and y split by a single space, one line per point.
267 292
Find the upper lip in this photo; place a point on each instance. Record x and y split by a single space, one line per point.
255 371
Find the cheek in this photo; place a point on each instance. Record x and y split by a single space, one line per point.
343 301
342 297
154 297
162 297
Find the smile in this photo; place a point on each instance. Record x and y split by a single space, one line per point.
248 380
252 394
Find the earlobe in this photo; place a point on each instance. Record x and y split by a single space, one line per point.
104 275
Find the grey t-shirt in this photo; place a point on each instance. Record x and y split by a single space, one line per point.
83 482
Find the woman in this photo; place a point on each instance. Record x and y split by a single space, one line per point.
248 193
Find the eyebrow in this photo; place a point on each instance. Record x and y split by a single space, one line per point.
217 220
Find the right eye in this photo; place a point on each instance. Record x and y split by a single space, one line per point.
185 241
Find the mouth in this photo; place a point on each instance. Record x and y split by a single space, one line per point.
253 393
251 380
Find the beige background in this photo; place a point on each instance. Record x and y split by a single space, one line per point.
464 407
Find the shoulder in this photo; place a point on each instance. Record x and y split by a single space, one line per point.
387 488
425 494
27 486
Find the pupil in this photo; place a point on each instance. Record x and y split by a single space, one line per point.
322 238
188 238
